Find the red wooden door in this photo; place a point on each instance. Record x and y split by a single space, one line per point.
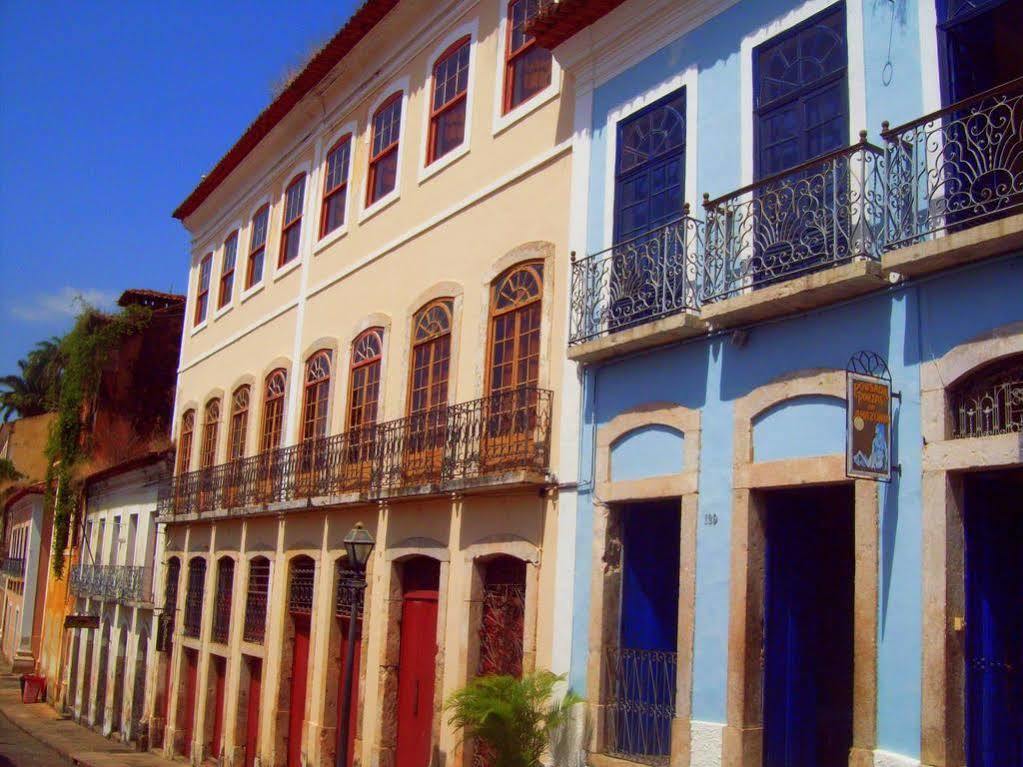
219 669
299 673
188 726
252 711
417 662
353 717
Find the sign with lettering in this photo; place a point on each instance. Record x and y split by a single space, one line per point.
81 621
868 431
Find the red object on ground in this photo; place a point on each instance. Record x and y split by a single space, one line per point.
32 688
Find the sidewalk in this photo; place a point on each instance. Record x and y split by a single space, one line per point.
79 744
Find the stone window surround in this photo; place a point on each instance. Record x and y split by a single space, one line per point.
605 585
943 598
743 734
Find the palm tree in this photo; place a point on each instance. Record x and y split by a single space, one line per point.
34 390
515 716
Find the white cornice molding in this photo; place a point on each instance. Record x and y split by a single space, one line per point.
630 33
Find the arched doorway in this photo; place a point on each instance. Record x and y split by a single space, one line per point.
99 707
417 660
300 605
120 678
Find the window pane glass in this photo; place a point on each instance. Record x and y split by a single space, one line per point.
293 202
386 126
334 210
531 73
385 175
337 165
449 129
259 223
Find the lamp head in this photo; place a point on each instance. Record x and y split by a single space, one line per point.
359 545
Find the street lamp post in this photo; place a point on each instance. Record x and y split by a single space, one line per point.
359 545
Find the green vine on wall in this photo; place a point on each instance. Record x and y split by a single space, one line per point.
85 351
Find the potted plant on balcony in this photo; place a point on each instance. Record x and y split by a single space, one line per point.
516 717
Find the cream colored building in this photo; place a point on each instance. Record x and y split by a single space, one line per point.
356 352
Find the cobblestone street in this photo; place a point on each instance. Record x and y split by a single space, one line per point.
18 749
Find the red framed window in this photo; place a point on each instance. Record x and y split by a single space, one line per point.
450 100
335 186
527 65
291 227
210 429
185 441
431 357
202 295
317 393
383 160
364 396
227 271
257 246
239 423
273 410
515 313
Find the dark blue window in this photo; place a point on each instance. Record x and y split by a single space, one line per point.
650 167
981 42
800 97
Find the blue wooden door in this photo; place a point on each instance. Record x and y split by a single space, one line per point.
647 659
994 623
808 628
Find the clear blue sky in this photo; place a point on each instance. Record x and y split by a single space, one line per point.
109 114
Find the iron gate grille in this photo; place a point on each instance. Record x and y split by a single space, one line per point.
255 601
350 591
300 592
222 605
639 703
194 597
991 402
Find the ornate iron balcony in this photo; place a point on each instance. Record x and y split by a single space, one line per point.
636 281
13 567
120 583
957 167
639 703
485 438
817 215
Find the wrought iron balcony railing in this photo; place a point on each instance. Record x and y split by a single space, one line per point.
122 583
639 703
13 567
819 214
957 167
507 431
639 280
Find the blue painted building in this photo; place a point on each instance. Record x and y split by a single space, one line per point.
762 190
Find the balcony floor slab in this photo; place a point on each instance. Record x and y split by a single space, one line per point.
947 251
639 337
811 291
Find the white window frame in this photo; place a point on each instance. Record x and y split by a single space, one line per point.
328 239
247 293
368 211
688 80
218 258
504 121
427 170
279 272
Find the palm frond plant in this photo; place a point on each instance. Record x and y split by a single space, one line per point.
515 716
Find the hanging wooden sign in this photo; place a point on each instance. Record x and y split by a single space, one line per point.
81 621
868 432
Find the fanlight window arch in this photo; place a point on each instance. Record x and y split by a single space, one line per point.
210 430
515 328
256 600
300 585
367 353
317 395
273 409
989 400
185 443
239 422
431 357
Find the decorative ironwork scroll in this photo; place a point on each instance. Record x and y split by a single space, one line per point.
990 402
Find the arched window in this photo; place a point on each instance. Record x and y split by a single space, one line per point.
273 410
448 108
989 400
239 423
202 293
227 270
364 393
431 357
291 226
185 441
335 185
210 429
222 603
194 596
515 328
257 246
383 158
256 600
170 590
317 396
